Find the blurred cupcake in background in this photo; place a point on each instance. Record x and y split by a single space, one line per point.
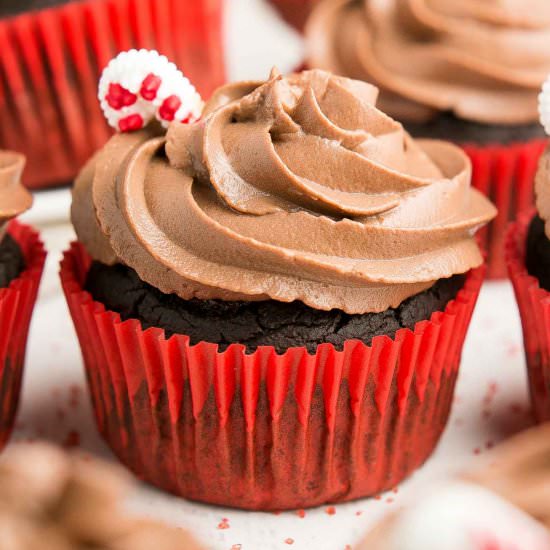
52 500
53 53
465 71
22 258
272 302
503 502
528 259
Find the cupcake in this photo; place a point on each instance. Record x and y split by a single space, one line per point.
528 260
502 503
53 52
51 500
272 302
463 71
21 262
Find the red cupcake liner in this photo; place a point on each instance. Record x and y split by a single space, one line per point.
265 431
16 307
505 174
295 12
52 59
534 307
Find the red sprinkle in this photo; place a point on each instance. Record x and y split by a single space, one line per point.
131 123
150 86
168 108
301 513
118 97
359 512
224 524
289 541
236 547
331 510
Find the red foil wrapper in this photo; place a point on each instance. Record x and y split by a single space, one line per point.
265 431
16 307
295 12
506 174
52 59
534 307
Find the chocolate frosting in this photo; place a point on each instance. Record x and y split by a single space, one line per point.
483 61
14 198
293 189
542 189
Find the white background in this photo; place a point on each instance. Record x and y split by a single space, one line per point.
491 399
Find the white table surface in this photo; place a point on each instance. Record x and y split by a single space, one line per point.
491 399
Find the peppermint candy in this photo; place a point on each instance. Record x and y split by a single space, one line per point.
544 106
140 85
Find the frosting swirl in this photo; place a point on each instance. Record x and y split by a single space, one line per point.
483 61
14 198
542 189
293 189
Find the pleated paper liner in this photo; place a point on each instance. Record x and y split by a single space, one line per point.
505 173
295 12
16 307
265 431
51 62
534 307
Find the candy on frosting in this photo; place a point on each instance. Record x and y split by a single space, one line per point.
140 85
14 198
298 188
484 61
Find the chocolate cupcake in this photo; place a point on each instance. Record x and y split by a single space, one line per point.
528 259
21 262
53 52
462 71
272 302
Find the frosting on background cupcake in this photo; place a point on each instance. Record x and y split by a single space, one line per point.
14 198
482 61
